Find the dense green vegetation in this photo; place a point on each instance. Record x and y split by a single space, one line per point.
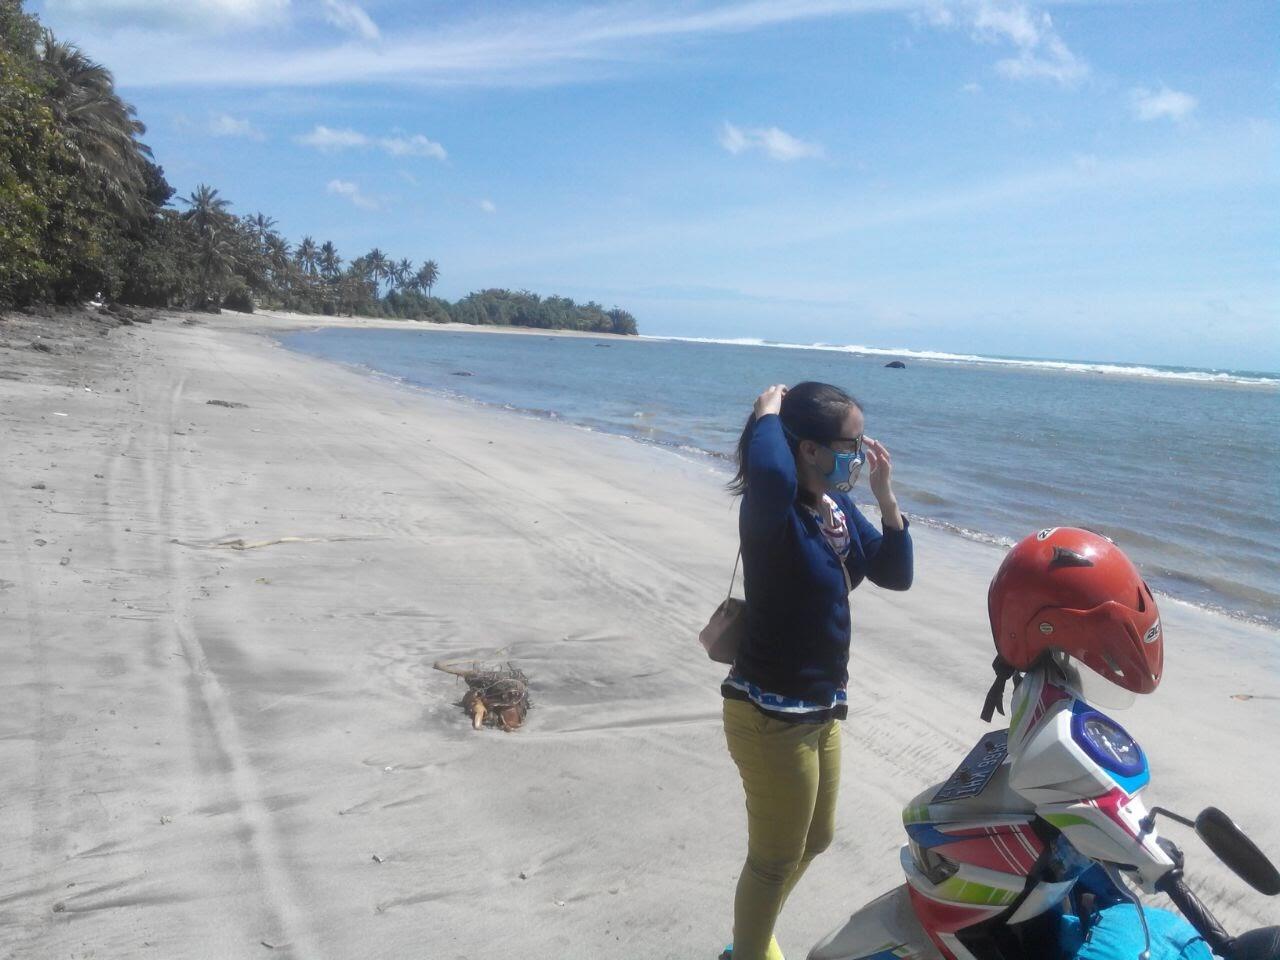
85 212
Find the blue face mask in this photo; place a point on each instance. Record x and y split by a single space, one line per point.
844 472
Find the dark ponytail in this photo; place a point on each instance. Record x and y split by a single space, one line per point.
810 411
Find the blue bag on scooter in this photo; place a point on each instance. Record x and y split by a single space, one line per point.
1108 927
1115 933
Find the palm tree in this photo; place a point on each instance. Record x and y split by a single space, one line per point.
279 261
404 274
379 267
262 225
207 213
427 275
101 128
264 229
358 284
330 262
307 256
360 269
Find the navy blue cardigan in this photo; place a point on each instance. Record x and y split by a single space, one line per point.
797 642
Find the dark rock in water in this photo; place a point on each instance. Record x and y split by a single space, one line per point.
462 373
233 404
604 344
42 347
895 365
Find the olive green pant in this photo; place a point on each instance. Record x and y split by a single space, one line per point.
790 773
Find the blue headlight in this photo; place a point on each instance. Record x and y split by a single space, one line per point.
1107 744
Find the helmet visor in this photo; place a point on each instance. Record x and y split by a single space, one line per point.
1091 686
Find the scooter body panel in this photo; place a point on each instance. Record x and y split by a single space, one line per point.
887 928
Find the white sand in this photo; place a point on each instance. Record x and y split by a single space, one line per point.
202 750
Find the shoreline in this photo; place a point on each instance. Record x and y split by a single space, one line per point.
208 748
714 460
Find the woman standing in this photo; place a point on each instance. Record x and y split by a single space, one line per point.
805 546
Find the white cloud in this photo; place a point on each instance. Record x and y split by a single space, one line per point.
733 139
1010 21
345 188
972 88
331 139
1051 60
488 206
414 146
328 138
1039 53
935 13
225 125
774 143
1162 104
350 17
200 15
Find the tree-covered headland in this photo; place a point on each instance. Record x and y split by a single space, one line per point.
86 212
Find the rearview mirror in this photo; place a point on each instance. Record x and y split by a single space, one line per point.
1224 838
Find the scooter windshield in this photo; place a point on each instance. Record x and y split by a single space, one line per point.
1091 687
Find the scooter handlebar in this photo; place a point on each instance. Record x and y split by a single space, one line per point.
1196 912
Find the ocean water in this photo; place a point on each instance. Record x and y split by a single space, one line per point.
1181 467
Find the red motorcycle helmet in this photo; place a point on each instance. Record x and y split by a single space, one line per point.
1075 592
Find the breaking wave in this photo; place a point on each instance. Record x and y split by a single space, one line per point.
1185 374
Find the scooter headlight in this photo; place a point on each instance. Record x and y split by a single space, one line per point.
935 867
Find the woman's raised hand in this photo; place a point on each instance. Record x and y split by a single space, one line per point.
881 464
770 401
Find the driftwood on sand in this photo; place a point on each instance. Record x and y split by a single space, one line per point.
497 696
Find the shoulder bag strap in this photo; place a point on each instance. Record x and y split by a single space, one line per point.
734 578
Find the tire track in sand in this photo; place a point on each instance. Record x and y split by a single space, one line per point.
220 759
21 610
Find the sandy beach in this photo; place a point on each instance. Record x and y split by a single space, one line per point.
221 752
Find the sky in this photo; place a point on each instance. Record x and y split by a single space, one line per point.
1075 180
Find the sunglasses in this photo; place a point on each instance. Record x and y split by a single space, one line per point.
856 441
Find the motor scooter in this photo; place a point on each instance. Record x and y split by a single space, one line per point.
1039 825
